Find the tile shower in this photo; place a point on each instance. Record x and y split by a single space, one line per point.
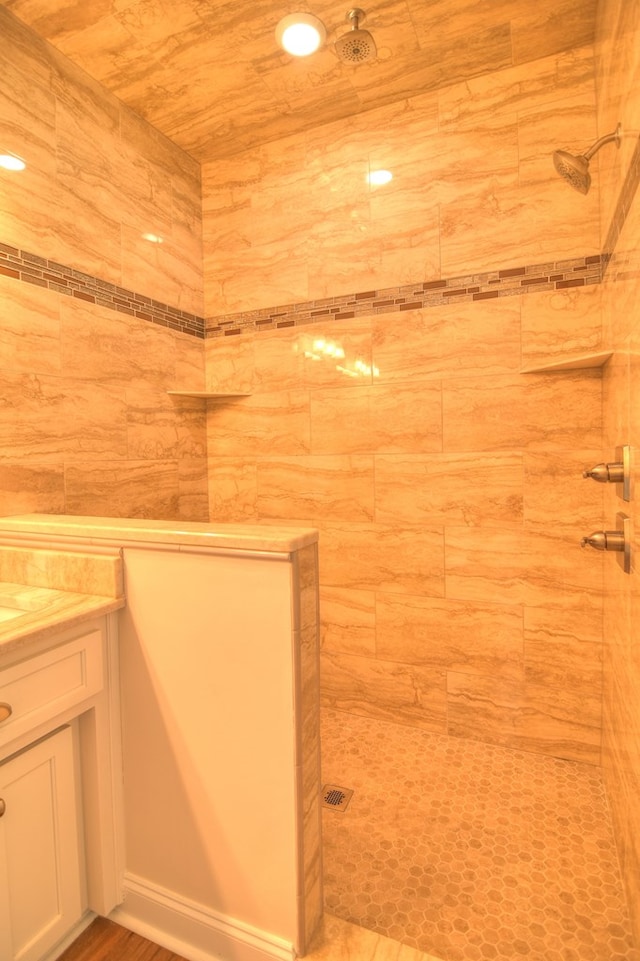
445 483
465 850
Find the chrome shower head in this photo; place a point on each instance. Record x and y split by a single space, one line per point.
357 46
575 169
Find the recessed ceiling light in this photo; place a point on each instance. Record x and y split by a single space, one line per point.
379 177
9 161
300 34
153 238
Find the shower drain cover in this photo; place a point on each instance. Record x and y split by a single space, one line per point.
336 798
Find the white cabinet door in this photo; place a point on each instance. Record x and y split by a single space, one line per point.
40 879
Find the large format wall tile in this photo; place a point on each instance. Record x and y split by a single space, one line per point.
53 419
545 412
538 32
430 559
317 488
403 559
462 637
618 75
130 489
450 489
381 418
538 569
348 620
563 675
559 321
407 694
491 705
321 355
230 364
161 427
563 123
462 336
113 348
514 225
95 178
265 424
193 498
473 184
519 88
30 330
509 713
82 380
385 250
34 488
233 488
556 495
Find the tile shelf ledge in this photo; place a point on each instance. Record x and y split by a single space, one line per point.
577 362
207 394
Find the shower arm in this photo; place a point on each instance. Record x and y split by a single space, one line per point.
616 135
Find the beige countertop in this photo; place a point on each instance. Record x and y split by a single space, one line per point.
31 614
186 534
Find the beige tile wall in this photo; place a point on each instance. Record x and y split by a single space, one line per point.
450 503
86 425
446 485
619 100
473 189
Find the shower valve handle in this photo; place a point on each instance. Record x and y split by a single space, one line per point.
606 473
604 541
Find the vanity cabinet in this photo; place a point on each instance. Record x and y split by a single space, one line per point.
40 868
60 851
219 664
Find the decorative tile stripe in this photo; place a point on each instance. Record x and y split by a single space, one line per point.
509 282
32 269
625 199
556 275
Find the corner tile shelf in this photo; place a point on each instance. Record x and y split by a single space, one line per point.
577 362
206 394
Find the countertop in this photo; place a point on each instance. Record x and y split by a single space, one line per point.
44 611
186 534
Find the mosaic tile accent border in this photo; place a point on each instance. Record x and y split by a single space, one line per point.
31 269
627 193
556 275
435 293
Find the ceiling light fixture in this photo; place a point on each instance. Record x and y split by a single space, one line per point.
300 34
9 161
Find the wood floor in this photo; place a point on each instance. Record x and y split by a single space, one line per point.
104 940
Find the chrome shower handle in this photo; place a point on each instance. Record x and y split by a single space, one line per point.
618 541
604 541
606 473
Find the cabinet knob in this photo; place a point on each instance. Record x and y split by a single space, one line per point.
3 807
5 711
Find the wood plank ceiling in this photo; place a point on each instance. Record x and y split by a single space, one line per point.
209 75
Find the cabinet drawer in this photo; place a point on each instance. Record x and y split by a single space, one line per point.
43 686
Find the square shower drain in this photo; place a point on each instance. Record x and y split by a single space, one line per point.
336 798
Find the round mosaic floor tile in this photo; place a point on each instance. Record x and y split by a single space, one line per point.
470 851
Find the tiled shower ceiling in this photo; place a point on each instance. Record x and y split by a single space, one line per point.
208 73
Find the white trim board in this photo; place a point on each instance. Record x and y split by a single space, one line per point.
191 929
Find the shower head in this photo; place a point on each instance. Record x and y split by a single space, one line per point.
357 46
575 169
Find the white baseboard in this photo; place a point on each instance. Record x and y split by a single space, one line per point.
193 930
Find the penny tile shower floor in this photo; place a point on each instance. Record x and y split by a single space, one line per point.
468 851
